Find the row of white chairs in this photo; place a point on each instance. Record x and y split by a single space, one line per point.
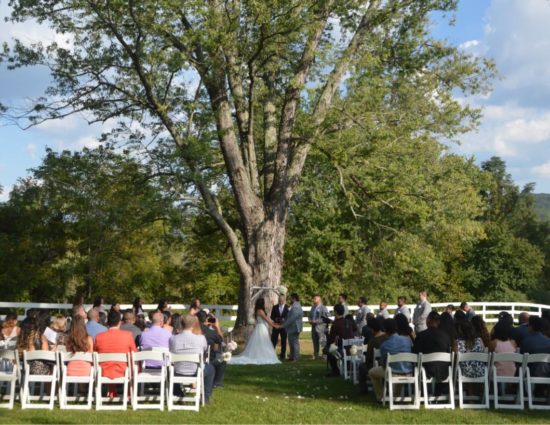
523 381
137 379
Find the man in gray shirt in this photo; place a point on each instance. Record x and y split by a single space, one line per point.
316 315
402 308
189 343
129 324
361 315
421 311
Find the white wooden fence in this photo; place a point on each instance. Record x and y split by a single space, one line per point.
488 310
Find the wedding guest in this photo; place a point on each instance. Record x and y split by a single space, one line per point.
342 300
78 310
114 340
421 311
402 308
433 340
467 310
137 308
115 306
383 310
129 324
176 323
59 327
168 321
447 325
163 305
278 315
195 306
502 342
450 309
534 343
468 342
340 329
78 341
366 332
317 318
393 345
214 338
10 329
188 342
481 329
92 326
361 315
522 330
376 325
78 300
403 327
32 338
155 337
98 305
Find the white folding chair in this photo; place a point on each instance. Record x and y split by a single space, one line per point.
142 376
504 381
376 356
194 384
536 403
30 381
9 376
461 380
349 360
75 400
103 380
430 399
402 380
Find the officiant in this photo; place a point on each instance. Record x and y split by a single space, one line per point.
279 313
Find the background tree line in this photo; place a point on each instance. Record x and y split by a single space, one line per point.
101 222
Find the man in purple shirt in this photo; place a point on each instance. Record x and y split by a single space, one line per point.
155 337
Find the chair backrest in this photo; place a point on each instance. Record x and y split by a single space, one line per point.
402 357
352 341
111 357
186 357
79 356
436 357
48 356
140 356
537 358
157 349
473 357
61 348
508 357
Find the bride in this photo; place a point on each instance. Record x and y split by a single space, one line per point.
259 349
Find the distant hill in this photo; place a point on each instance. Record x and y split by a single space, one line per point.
542 205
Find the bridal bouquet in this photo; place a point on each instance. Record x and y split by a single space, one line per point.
227 356
231 346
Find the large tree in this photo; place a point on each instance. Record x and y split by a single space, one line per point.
235 93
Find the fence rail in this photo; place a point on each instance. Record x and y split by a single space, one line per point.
488 310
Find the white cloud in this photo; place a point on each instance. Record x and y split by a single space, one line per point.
469 44
89 142
542 170
31 150
5 195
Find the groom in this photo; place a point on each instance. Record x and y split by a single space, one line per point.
293 326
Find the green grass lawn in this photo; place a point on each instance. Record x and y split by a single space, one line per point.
288 393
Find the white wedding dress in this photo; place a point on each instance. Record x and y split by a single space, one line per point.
259 348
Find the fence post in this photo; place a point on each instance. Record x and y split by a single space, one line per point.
483 312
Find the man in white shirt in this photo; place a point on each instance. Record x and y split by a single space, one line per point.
279 314
343 299
188 342
402 308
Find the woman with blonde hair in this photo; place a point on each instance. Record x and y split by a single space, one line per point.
78 341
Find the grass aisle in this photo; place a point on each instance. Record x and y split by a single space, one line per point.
288 393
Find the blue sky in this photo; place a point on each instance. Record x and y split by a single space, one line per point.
516 123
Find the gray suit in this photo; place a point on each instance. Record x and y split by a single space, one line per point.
319 327
420 315
404 311
361 317
294 326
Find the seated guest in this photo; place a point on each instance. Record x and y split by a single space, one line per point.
447 325
168 321
32 338
115 306
155 337
187 342
176 323
10 330
195 306
523 328
78 341
366 332
481 330
340 329
129 324
502 343
383 312
114 340
376 325
468 342
403 327
393 345
93 328
211 330
536 342
137 308
59 328
78 310
433 340
467 310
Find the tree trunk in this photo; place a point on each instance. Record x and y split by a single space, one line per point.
264 253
